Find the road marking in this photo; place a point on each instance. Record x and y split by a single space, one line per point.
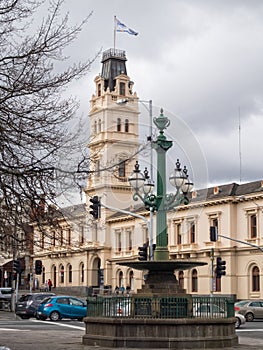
60 324
14 329
249 330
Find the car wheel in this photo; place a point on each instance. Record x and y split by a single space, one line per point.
249 317
41 318
238 323
54 316
24 317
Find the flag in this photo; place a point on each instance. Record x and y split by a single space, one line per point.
120 27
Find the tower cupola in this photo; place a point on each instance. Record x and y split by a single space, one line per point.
113 64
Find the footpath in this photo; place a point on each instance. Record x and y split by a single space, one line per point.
13 338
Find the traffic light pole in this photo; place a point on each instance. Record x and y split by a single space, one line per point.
237 240
212 257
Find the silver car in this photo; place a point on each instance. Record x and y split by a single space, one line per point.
251 309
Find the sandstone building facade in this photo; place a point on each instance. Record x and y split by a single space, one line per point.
85 252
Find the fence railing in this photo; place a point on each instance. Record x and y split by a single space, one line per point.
160 307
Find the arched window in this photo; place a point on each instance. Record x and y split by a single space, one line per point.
120 279
62 274
131 280
43 275
126 125
99 125
81 270
70 273
194 281
181 279
54 276
119 124
255 279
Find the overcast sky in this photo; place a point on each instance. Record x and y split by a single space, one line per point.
202 61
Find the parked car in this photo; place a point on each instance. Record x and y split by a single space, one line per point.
6 293
61 306
251 309
240 319
209 310
5 298
27 304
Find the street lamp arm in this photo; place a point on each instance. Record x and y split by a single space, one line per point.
137 195
173 200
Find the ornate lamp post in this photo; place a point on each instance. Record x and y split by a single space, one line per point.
161 202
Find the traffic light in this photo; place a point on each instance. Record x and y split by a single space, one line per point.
16 266
220 267
213 234
38 267
95 206
143 252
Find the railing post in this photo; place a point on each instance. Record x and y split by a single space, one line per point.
230 307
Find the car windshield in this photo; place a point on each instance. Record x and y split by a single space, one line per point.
24 298
5 291
241 303
46 300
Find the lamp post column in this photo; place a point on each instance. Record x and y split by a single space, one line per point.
161 146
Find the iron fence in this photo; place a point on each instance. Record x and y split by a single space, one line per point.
160 307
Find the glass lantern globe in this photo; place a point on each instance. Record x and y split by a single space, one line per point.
177 178
136 179
187 186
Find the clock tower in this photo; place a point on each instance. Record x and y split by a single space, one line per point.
114 139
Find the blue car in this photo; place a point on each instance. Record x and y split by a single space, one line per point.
61 306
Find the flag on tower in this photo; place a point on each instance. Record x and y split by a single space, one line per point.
120 27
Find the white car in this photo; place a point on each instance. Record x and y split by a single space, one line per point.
209 310
240 319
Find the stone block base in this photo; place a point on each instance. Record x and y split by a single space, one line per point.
160 333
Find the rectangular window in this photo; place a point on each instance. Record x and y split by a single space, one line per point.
253 226
81 235
214 222
122 89
122 169
99 89
42 240
61 238
119 124
192 232
178 230
69 236
118 241
130 240
97 165
54 238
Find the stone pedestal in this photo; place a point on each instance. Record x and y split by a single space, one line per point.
160 333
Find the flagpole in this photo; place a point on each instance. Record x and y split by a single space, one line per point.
114 43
